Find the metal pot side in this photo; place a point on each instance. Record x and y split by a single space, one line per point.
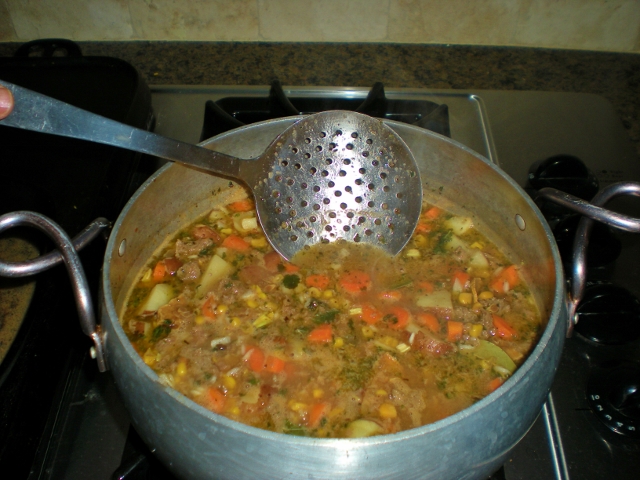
196 443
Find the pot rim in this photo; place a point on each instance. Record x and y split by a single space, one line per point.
556 315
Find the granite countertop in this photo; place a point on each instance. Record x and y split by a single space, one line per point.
615 76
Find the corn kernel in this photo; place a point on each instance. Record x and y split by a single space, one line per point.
314 292
226 231
297 406
199 320
367 332
262 321
181 369
328 294
147 275
300 288
475 330
486 295
318 393
333 303
413 253
229 382
338 343
236 322
465 298
149 357
271 306
381 393
251 303
259 242
222 309
235 410
477 245
387 410
335 412
259 292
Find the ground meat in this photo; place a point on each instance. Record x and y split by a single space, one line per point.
185 250
189 272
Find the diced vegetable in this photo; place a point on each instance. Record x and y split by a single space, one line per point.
355 281
321 334
454 330
217 269
235 242
493 353
397 317
429 320
318 281
244 205
505 279
316 413
160 295
216 399
437 299
478 261
363 428
503 328
459 225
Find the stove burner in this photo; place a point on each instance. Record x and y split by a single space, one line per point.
609 315
233 112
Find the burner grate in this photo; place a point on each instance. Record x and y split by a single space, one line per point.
233 112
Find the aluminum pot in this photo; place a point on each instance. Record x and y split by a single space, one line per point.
196 443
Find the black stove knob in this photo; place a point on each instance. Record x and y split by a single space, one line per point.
608 314
614 397
566 173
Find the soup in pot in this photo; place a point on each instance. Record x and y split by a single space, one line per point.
344 341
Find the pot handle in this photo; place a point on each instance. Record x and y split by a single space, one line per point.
591 211
68 253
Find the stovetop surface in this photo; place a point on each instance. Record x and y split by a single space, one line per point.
513 130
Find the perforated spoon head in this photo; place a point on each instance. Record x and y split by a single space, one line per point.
336 175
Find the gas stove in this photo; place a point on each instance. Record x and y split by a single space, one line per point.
537 138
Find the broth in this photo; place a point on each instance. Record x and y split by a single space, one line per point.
344 341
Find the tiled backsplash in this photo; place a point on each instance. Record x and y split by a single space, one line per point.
608 25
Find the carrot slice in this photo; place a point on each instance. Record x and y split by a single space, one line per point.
390 295
216 399
454 330
505 280
495 383
370 315
159 271
397 317
291 268
355 281
316 413
234 242
427 287
241 205
256 360
274 364
321 334
317 281
433 213
461 277
504 330
208 307
430 321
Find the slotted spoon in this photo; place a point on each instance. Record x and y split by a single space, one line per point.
329 176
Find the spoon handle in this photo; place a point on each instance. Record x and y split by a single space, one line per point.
39 113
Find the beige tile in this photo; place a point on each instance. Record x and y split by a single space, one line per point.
73 19
585 24
201 20
323 21
7 32
477 22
